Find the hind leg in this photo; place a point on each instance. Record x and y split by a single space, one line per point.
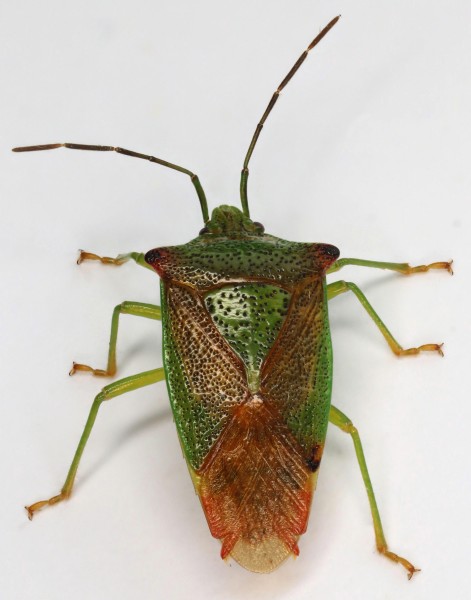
110 391
343 422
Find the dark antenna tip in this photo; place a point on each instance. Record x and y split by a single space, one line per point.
35 148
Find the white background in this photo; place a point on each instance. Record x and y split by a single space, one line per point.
368 148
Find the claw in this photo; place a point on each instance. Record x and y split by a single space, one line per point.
412 571
450 267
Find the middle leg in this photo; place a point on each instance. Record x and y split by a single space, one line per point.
340 287
138 309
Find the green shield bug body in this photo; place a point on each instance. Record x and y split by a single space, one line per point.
248 364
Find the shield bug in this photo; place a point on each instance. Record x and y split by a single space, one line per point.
248 363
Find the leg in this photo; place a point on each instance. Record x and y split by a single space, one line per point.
110 391
137 257
340 287
403 268
139 309
340 420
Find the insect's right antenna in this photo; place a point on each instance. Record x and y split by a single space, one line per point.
245 170
194 178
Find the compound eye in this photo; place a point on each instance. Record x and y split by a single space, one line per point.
259 226
204 231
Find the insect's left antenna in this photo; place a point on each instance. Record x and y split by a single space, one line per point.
245 170
194 178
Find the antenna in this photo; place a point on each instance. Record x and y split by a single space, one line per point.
194 178
245 170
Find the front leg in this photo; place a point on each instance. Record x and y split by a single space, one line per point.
403 268
137 257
